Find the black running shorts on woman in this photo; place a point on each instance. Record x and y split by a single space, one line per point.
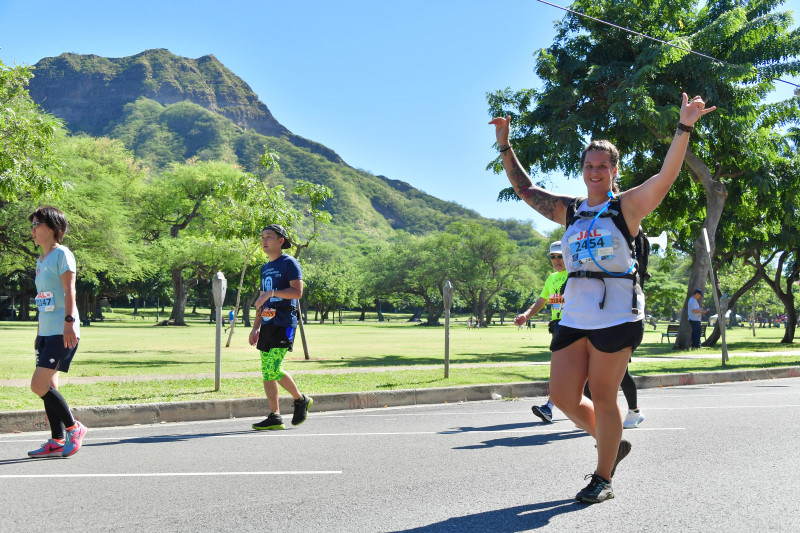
609 340
51 353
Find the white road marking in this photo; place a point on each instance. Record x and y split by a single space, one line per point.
174 474
443 432
549 429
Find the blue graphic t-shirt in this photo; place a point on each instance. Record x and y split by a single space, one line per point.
50 291
276 275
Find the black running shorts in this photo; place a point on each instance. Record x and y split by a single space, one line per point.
270 336
609 340
51 353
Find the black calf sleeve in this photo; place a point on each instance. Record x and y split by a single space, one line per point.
58 404
629 390
56 426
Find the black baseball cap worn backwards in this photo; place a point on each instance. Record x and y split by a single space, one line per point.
277 228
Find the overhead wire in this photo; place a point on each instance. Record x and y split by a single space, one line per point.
633 32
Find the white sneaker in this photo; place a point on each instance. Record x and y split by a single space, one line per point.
633 419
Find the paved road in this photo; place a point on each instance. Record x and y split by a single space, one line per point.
707 458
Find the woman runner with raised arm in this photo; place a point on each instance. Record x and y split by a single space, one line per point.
599 327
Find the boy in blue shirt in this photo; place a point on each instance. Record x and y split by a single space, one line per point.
276 323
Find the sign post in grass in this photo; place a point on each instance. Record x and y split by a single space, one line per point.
721 311
219 285
447 297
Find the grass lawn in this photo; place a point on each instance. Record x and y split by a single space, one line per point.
123 346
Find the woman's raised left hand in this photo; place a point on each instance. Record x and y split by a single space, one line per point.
691 111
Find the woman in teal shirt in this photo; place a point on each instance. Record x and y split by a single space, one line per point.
59 330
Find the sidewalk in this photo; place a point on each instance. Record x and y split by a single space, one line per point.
83 380
124 415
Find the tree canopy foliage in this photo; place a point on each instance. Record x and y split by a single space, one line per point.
603 82
27 136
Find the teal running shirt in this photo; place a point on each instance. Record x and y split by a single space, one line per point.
50 291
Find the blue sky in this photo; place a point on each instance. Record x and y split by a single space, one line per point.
395 88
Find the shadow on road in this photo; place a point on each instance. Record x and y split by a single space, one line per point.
26 460
166 438
536 439
520 518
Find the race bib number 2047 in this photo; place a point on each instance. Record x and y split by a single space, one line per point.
599 242
45 302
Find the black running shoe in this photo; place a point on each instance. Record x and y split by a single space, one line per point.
273 421
598 490
301 407
543 412
622 452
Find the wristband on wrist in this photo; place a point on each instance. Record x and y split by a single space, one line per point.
508 147
684 127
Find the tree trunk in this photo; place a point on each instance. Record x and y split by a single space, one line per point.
24 308
483 310
232 325
303 337
180 295
716 193
711 340
434 311
791 323
83 307
248 303
787 297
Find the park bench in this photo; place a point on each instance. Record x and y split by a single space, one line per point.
672 331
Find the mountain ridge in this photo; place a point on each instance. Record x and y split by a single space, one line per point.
166 109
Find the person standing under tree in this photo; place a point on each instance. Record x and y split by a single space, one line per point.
276 323
602 320
695 316
58 331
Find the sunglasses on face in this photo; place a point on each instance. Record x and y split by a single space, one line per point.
556 257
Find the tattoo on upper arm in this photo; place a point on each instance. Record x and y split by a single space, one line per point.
541 200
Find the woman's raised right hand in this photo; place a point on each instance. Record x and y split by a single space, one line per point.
502 127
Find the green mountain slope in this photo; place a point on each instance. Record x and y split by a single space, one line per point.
168 109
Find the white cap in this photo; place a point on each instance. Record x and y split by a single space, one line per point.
555 248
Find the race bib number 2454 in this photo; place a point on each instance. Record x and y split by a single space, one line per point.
599 242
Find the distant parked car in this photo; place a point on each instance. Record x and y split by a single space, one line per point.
713 319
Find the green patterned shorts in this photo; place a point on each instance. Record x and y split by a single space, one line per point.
271 364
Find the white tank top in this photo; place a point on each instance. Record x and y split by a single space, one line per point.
582 296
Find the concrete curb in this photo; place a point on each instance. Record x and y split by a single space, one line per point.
154 413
